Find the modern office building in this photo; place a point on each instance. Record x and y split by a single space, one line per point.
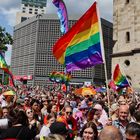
30 8
126 32
32 51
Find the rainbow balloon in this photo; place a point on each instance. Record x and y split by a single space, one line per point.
60 77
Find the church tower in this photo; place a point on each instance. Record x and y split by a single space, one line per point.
126 34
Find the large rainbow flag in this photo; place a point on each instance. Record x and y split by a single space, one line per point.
80 47
4 66
119 79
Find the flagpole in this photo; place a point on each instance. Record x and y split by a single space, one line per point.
121 68
124 74
103 55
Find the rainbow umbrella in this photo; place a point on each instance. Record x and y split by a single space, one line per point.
88 91
85 91
9 93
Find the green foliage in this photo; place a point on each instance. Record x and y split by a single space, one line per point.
5 39
6 79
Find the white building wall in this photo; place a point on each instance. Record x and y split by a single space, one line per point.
126 18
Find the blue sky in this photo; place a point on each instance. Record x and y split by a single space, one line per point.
8 9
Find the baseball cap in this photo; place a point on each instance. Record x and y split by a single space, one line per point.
98 107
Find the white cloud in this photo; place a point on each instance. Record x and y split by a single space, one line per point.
10 15
7 4
81 6
106 9
9 8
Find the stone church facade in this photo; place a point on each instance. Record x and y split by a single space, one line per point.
126 34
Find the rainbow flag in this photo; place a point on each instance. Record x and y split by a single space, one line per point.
62 14
80 47
4 66
112 85
119 79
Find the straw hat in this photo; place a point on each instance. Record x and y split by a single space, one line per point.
114 107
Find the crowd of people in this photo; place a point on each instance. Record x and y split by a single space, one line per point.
36 113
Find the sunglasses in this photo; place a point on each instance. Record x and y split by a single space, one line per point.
29 112
70 113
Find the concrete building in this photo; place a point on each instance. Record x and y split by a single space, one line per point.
32 51
126 32
30 8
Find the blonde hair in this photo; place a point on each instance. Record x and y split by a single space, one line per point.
54 137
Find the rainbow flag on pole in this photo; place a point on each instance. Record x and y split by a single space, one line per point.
4 66
119 79
80 47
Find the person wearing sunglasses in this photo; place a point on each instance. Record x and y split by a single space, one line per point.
26 103
19 129
67 118
33 122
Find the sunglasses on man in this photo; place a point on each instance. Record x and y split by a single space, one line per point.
69 113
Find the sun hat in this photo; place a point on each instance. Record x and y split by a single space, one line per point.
114 107
83 106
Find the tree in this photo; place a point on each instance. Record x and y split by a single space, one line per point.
5 39
6 79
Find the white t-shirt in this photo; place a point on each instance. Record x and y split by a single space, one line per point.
45 131
3 101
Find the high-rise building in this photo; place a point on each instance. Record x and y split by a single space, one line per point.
126 31
32 51
30 8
